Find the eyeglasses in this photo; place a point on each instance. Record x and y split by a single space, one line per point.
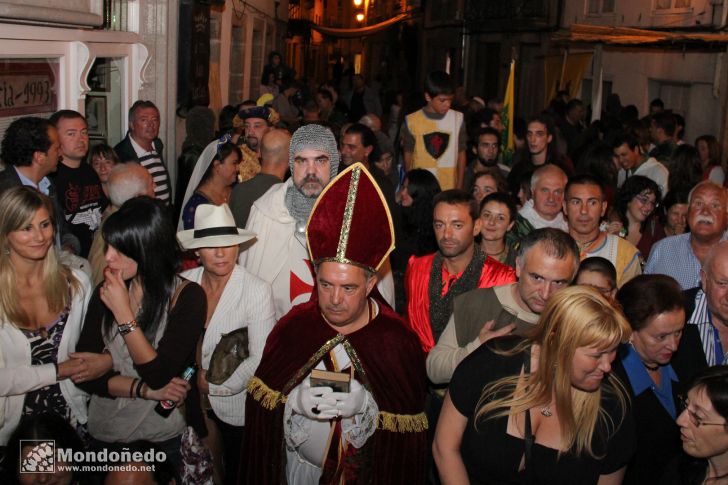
644 200
694 418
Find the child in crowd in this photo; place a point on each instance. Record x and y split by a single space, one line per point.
598 273
434 137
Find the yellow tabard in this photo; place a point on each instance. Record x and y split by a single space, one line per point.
436 144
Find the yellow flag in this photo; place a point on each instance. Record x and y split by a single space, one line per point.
507 115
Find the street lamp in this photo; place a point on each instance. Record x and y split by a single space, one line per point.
357 3
360 17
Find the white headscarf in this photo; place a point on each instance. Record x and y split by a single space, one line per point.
200 168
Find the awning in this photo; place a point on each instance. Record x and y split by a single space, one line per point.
634 37
360 32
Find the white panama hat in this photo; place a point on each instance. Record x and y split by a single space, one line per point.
214 228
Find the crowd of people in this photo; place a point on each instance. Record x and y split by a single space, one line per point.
339 294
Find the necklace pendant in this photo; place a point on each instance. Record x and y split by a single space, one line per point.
546 412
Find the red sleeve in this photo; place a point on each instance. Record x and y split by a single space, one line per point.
496 273
417 280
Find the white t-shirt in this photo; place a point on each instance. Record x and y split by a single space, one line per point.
529 213
652 169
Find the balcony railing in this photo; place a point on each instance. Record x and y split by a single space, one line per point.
504 15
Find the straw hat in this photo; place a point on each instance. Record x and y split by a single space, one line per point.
214 228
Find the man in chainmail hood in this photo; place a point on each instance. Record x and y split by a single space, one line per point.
314 157
279 254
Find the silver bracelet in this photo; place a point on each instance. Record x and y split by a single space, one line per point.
127 328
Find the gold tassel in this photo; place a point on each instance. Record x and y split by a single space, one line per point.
267 397
402 423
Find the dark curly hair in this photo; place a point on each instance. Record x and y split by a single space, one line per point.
632 187
23 138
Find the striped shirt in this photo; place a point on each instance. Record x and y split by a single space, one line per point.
673 256
701 318
152 161
246 301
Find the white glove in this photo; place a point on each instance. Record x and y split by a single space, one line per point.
305 399
344 404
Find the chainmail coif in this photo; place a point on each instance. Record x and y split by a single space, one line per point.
316 137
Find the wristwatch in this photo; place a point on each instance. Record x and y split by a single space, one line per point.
128 327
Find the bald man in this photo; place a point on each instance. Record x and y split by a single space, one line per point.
273 166
129 180
709 304
545 207
683 256
126 181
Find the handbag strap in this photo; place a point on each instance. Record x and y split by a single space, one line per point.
182 283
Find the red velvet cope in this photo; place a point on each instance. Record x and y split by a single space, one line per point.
394 367
417 280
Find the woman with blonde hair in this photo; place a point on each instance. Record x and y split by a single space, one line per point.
42 305
543 409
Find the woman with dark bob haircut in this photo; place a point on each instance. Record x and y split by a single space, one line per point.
662 356
498 214
704 431
674 212
149 320
635 208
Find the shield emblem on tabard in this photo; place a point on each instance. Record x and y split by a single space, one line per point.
436 143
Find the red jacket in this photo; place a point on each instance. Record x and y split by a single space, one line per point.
417 280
